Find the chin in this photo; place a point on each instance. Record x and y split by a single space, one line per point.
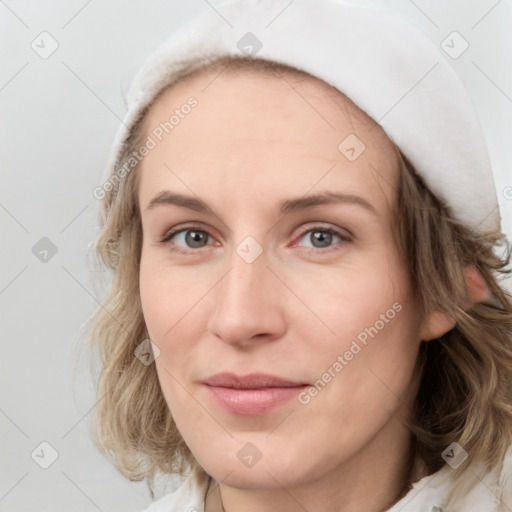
241 478
274 473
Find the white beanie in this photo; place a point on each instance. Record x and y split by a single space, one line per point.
384 64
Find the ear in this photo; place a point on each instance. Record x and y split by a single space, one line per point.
478 290
435 325
439 323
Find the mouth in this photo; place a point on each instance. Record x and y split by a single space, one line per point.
253 394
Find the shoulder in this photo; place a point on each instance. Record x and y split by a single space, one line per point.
491 492
427 494
505 480
188 497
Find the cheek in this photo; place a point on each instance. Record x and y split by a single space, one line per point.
167 310
352 299
365 372
174 308
152 300
374 325
169 296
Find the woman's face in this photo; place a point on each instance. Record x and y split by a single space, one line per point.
282 263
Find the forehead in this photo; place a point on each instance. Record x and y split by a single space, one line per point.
275 134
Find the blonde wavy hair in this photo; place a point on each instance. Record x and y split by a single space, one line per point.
465 393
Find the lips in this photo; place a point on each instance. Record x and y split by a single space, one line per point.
251 381
252 394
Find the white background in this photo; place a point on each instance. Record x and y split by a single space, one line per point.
59 116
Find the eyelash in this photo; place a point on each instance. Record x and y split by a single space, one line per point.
345 238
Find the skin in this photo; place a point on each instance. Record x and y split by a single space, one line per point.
252 141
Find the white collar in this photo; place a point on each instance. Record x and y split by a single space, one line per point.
427 495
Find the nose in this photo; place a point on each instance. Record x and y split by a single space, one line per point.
248 304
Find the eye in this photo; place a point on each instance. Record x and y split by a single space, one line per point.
321 237
187 238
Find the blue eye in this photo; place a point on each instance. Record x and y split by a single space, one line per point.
320 238
324 239
193 237
185 240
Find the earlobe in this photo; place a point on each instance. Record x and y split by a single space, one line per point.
437 324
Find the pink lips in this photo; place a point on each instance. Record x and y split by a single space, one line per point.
252 394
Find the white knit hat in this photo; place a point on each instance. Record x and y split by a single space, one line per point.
384 64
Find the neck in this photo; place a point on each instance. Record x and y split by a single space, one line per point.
372 480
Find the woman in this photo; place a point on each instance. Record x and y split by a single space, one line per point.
305 312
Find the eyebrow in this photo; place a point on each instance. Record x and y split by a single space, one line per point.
286 206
